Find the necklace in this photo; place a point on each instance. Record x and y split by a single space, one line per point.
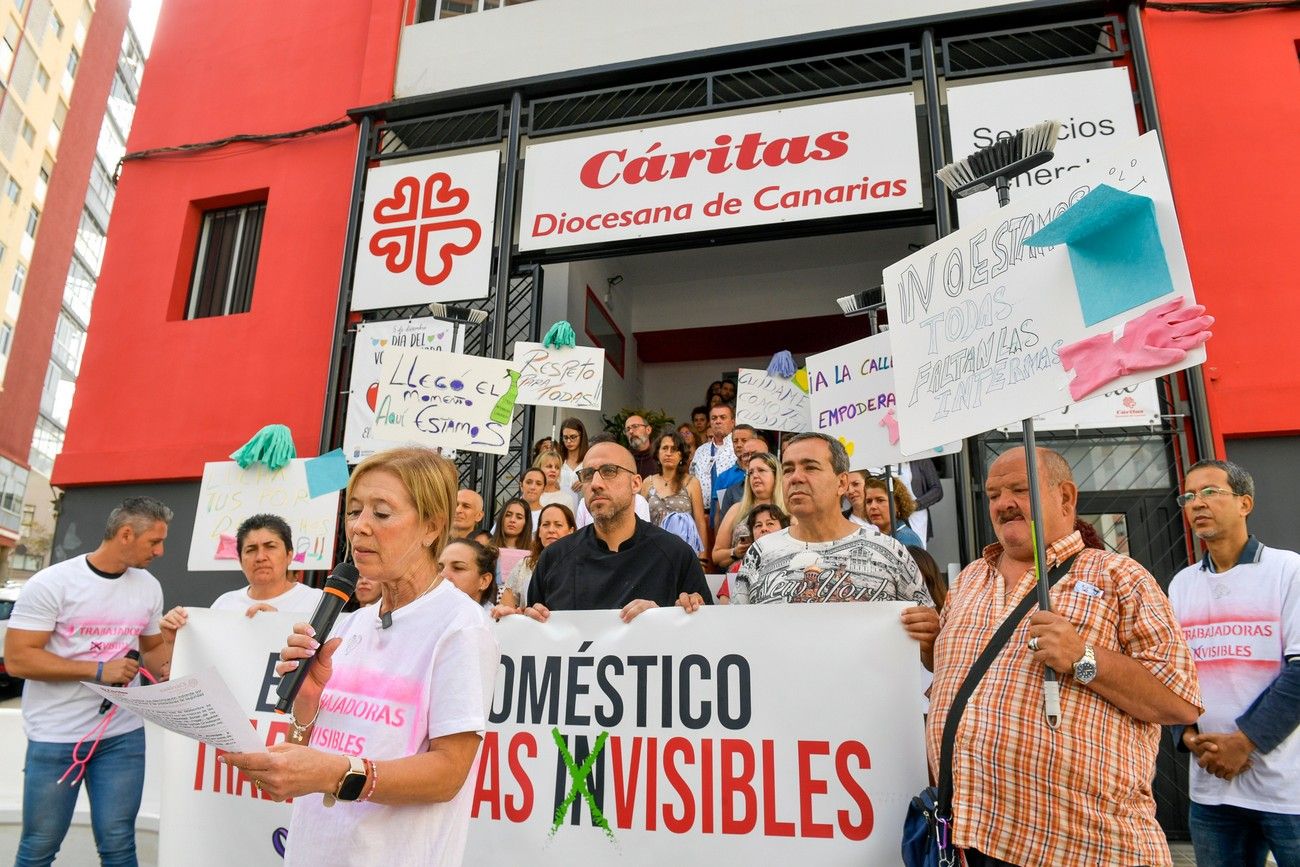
386 617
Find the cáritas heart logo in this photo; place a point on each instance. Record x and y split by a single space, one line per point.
423 229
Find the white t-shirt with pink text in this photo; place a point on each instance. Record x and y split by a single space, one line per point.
89 617
1241 626
430 674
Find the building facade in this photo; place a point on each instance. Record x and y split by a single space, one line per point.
73 74
227 292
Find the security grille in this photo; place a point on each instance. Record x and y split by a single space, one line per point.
1033 47
731 88
442 132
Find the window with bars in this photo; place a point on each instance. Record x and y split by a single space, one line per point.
225 261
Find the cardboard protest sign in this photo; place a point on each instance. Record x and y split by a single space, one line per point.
852 398
448 399
984 325
368 428
572 377
228 495
770 402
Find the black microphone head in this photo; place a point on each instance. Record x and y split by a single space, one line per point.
344 578
133 654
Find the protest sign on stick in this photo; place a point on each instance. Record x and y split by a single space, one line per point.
368 428
229 494
853 399
448 399
979 318
572 376
770 402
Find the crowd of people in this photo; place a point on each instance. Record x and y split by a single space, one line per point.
630 526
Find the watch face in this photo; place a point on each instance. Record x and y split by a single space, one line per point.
1085 669
352 786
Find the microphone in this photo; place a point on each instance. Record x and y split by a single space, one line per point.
338 591
106 704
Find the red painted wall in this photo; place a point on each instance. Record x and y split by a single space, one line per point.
24 377
158 395
1226 87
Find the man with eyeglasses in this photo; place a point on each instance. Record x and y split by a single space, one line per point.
1240 611
619 561
638 440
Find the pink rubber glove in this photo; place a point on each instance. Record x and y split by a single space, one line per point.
1094 362
1162 336
1158 338
890 423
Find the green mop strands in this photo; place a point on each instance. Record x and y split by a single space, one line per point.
560 336
272 446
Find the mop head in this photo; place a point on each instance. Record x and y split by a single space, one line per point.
272 446
560 336
1027 149
782 365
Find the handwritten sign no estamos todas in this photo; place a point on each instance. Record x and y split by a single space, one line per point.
448 399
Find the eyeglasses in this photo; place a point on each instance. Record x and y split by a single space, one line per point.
571 437
608 472
632 427
1206 494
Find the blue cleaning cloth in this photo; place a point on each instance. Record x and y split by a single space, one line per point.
1115 252
326 474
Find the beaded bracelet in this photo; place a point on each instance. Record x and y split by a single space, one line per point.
300 729
372 773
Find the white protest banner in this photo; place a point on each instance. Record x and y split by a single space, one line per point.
448 399
851 390
1135 405
572 377
368 426
1094 106
197 706
426 231
831 159
978 318
770 402
703 740
210 813
228 495
706 749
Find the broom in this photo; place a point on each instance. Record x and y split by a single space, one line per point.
994 167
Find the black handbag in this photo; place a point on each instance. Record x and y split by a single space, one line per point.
927 840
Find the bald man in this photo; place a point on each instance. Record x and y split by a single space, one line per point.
619 561
1024 793
469 514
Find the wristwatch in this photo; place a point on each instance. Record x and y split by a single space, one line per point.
352 784
1086 668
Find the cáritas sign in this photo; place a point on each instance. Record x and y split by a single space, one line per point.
832 159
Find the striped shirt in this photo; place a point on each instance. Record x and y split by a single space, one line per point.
1079 794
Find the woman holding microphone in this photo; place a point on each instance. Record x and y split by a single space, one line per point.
387 723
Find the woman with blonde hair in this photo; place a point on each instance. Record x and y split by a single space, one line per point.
390 787
552 466
764 484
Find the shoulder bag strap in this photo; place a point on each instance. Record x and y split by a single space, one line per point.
976 674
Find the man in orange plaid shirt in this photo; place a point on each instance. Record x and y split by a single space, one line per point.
1025 793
